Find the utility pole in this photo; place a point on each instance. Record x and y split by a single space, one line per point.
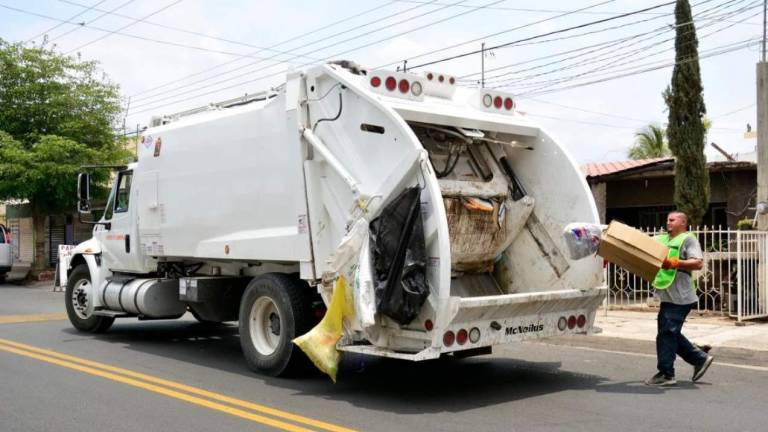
762 129
482 65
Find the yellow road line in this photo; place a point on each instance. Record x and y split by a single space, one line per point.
93 368
14 319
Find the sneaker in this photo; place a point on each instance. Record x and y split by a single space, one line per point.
704 348
700 370
660 380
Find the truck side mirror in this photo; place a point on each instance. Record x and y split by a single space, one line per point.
84 193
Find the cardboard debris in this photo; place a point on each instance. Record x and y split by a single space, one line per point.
633 250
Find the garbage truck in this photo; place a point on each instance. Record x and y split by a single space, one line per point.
442 206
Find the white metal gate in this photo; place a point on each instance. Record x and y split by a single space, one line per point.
751 272
733 282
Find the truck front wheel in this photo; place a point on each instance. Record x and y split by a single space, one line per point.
275 309
78 299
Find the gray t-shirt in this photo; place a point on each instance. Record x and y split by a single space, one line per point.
680 292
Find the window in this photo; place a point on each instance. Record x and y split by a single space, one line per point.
2 234
123 192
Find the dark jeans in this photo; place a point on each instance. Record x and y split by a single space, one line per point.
670 340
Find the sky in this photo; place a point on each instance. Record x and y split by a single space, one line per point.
590 84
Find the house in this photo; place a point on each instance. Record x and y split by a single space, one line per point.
641 192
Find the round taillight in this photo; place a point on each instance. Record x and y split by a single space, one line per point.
497 101
581 321
571 322
562 323
375 81
448 338
429 325
461 337
452 80
416 88
430 76
508 104
441 78
404 86
487 100
390 83
474 335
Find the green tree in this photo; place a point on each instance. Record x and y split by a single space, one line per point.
650 143
56 114
686 130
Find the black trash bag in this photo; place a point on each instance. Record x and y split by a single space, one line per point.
399 258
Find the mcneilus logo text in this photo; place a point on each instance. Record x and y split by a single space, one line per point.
530 328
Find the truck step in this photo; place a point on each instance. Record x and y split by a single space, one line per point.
426 354
110 313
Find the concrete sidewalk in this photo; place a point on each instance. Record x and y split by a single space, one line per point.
720 332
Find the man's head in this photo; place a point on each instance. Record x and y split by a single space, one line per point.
677 222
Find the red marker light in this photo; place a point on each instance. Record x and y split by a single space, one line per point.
390 83
497 101
508 104
404 86
375 81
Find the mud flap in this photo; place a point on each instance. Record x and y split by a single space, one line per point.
399 258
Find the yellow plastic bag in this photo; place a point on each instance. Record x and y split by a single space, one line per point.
319 344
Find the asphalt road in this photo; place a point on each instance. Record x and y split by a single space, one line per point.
184 376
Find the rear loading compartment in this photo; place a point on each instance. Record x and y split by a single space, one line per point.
493 228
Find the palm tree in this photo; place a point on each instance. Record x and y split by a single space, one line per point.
650 143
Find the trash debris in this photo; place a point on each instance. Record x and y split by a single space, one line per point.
478 204
319 344
399 258
582 239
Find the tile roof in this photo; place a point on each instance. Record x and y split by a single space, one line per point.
605 168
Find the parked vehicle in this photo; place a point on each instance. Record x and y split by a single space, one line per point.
242 211
6 254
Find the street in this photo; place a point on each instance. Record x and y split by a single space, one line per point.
182 375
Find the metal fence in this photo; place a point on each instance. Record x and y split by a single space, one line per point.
732 282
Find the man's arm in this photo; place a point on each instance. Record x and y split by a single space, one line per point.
691 249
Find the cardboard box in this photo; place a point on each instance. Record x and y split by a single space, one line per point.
633 250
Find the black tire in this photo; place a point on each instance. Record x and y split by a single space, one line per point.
90 324
291 298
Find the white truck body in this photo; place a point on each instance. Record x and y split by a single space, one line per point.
274 185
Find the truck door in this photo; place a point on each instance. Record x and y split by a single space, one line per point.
118 238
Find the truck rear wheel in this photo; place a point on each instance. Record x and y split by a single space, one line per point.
78 300
274 310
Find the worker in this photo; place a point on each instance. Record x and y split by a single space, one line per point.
678 296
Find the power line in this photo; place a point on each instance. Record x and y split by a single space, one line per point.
504 45
62 23
166 27
132 36
74 29
386 27
657 31
613 64
497 33
726 114
340 53
300 36
513 9
330 56
614 61
718 51
136 21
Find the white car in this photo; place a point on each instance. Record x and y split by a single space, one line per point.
6 258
